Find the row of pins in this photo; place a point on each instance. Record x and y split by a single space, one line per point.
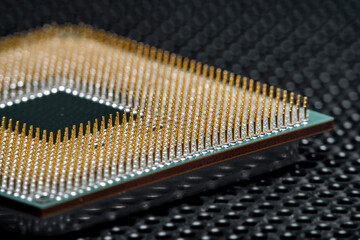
183 108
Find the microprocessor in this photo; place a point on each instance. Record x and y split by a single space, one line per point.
87 115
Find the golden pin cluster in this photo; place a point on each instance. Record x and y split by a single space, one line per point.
178 107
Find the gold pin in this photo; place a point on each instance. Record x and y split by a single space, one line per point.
147 151
77 152
159 56
201 109
63 152
106 147
34 155
70 151
10 126
125 59
215 109
181 103
128 140
219 135
114 137
305 108
41 157
151 70
172 125
134 144
221 117
85 148
141 145
249 108
291 108
100 140
162 137
271 95
263 109
236 108
169 88
157 129
193 114
2 130
140 49
27 151
176 135
284 100
228 107
298 109
277 103
48 157
121 144
187 106
163 81
257 96
143 80
91 152
207 114
243 98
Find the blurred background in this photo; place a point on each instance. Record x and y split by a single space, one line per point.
310 47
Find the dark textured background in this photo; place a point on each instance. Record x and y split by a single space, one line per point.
310 47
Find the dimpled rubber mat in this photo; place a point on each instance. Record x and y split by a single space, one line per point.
308 46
